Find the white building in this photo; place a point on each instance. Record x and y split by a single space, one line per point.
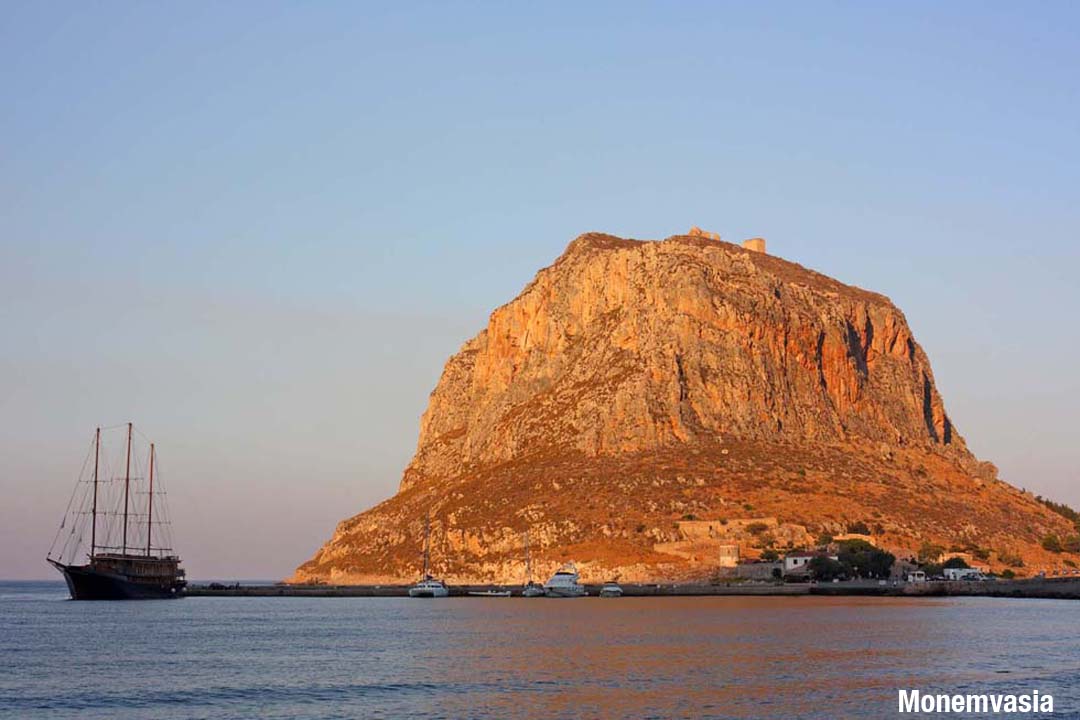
795 563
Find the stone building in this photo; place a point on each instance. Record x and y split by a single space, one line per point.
755 244
729 555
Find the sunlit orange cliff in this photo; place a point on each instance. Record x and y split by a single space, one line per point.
644 406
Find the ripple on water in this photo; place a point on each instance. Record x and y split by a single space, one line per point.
635 657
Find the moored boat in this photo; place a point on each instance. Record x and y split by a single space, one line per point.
128 567
428 587
564 583
531 589
611 590
489 593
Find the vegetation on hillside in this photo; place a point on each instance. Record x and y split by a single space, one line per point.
1051 543
930 552
1063 510
855 559
825 569
864 559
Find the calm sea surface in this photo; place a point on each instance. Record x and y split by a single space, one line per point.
518 658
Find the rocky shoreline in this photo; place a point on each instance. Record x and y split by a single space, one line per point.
1056 588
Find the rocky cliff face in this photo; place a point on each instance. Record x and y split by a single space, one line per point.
634 387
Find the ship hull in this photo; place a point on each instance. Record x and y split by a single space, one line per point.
87 583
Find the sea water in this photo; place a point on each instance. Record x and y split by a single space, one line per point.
702 657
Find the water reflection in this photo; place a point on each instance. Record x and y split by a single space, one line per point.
735 657
514 658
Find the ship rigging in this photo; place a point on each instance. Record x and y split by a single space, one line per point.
132 561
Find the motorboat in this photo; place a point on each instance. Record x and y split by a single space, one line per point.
489 593
564 583
610 590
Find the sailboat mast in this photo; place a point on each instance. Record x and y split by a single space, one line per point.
528 560
127 489
93 510
150 506
427 547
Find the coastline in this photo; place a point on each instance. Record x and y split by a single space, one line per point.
1050 588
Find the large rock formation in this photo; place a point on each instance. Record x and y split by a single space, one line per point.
640 404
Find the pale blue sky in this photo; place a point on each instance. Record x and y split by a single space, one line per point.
260 229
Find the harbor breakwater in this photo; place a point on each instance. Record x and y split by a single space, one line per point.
284 590
1051 588
1059 588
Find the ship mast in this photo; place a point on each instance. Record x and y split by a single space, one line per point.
127 489
93 510
150 507
528 560
427 547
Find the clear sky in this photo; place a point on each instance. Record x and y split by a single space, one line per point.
259 229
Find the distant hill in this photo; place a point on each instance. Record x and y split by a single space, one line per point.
642 404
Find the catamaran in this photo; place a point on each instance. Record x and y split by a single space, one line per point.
135 568
428 587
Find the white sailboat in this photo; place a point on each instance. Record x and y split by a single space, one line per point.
564 583
428 587
531 589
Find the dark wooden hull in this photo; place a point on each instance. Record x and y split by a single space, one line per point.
88 583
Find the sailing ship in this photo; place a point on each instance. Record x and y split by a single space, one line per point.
135 568
428 587
531 589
